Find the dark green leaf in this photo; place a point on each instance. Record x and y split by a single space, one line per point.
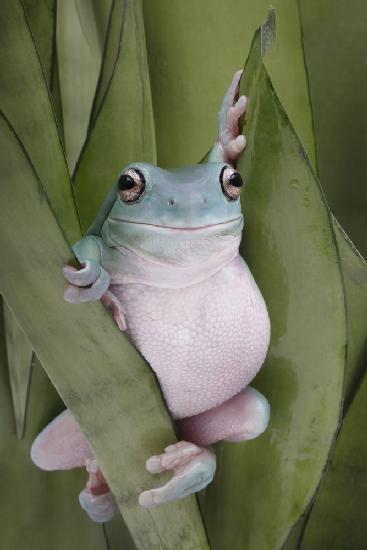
338 518
335 54
41 15
263 486
355 284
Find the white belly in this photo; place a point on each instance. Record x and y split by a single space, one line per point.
205 342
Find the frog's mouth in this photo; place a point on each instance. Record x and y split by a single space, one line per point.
175 245
227 223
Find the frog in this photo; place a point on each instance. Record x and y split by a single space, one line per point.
163 256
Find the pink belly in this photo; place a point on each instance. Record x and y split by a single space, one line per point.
205 342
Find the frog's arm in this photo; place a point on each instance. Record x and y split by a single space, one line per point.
105 209
230 143
92 281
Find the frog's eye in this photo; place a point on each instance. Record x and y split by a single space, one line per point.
231 183
131 185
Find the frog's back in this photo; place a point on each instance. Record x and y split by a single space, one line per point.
206 341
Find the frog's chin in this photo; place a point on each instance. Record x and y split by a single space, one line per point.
174 245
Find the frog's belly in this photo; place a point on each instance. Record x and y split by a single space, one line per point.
205 342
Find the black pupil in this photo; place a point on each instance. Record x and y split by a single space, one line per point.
126 182
235 180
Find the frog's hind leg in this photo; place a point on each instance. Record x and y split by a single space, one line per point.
243 417
62 446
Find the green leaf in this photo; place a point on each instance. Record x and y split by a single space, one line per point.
100 376
114 37
39 508
41 15
354 270
335 54
31 114
338 517
80 42
263 486
194 48
19 354
123 130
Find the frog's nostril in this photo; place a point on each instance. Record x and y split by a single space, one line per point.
171 202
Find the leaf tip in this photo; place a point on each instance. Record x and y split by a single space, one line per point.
269 32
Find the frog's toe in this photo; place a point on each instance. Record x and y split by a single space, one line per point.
85 276
76 295
114 305
100 508
193 467
232 92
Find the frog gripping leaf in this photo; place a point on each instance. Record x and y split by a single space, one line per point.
163 256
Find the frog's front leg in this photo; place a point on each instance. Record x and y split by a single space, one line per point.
243 417
230 143
90 282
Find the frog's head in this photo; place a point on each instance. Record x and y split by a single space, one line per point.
177 216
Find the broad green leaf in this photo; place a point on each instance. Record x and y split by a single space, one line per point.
41 15
99 375
39 510
124 128
338 517
295 535
354 270
25 101
335 55
19 354
263 486
114 37
194 48
42 21
80 44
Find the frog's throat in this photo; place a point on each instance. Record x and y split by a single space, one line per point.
126 265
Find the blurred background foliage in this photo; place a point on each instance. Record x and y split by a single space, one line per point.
302 484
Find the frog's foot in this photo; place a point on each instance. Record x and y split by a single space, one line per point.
114 305
230 143
193 468
87 284
96 498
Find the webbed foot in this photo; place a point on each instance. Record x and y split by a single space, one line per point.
96 498
193 467
230 143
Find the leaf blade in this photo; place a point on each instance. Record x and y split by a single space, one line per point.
109 398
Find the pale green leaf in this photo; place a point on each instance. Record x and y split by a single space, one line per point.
25 101
194 48
19 355
123 130
100 376
80 42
